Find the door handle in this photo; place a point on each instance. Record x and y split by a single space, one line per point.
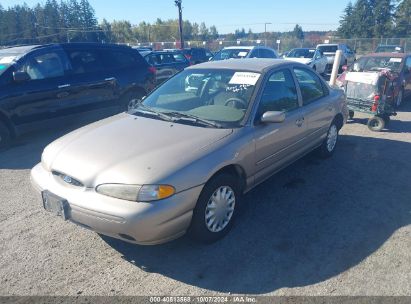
110 79
62 86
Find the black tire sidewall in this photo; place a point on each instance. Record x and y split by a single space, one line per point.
198 229
381 124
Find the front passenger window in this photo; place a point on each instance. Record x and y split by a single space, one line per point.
279 94
44 66
310 85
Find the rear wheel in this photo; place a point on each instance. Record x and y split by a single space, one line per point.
376 123
216 209
327 148
5 136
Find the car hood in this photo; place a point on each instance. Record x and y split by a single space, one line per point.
300 60
128 149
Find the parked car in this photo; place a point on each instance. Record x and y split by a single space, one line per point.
377 84
241 52
389 49
55 83
197 55
166 63
329 50
142 49
203 138
310 57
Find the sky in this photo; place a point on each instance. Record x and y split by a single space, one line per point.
226 15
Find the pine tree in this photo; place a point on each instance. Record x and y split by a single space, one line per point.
346 21
403 19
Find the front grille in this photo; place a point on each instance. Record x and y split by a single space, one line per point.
68 179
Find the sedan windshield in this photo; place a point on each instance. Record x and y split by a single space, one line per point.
377 64
231 53
301 53
208 98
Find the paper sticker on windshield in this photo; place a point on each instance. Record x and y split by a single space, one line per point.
244 78
242 54
395 59
8 59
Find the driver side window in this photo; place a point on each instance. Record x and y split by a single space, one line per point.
280 94
44 66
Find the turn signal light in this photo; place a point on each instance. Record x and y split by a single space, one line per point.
374 107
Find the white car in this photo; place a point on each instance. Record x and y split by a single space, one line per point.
240 52
310 57
347 57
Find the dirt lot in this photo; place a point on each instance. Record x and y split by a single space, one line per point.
335 227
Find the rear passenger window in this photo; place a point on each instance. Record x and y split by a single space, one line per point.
85 61
280 94
179 57
167 58
116 59
310 85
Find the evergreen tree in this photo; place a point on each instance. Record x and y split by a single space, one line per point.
383 18
403 19
298 32
346 21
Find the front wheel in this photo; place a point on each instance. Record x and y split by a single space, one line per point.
216 209
327 148
376 123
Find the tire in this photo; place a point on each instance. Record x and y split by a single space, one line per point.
399 99
327 147
314 68
128 100
376 123
351 114
5 136
203 229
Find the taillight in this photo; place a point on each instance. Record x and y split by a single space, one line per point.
152 70
188 56
374 107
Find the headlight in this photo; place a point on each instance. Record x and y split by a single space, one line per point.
136 193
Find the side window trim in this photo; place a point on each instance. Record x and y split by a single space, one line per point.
261 91
325 90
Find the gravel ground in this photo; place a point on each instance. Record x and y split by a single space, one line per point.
336 227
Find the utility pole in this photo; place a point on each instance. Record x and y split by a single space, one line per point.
180 22
265 32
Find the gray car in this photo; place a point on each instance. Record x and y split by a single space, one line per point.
180 160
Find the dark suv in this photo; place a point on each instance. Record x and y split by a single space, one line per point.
39 84
197 55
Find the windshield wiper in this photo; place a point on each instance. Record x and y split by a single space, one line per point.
147 110
187 117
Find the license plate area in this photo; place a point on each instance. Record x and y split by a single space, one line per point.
55 204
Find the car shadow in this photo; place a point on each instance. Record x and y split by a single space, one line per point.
311 222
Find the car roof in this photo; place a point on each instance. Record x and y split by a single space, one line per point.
19 49
387 54
258 65
303 49
239 47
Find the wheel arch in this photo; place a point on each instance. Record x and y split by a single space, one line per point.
234 170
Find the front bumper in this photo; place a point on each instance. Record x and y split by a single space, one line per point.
141 223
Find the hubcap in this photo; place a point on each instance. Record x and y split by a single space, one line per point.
332 138
220 209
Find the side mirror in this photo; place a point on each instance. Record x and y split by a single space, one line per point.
21 76
344 68
273 117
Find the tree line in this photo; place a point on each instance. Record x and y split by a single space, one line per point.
376 19
75 20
